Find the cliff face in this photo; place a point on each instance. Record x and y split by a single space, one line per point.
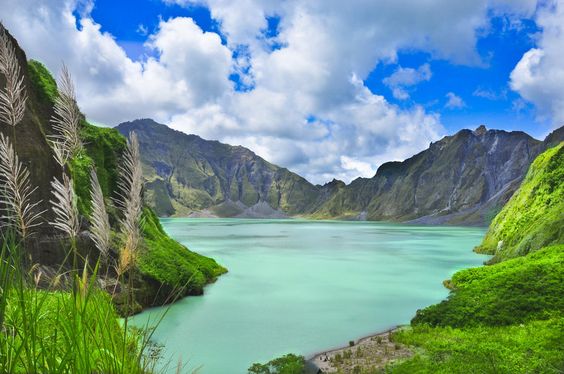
187 173
534 216
29 136
163 263
461 179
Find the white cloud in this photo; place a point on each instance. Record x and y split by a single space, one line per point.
490 94
142 29
357 166
403 78
539 75
454 101
192 68
308 107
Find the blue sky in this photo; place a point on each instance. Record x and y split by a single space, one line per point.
500 49
324 87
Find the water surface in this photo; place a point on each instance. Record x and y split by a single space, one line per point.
304 286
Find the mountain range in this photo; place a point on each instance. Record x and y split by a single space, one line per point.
461 179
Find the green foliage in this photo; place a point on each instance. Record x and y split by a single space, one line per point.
44 81
170 263
507 317
162 258
79 167
288 364
74 331
534 217
533 347
104 146
514 291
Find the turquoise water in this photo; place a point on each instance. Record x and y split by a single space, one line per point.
304 286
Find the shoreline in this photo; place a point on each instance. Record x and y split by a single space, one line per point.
373 350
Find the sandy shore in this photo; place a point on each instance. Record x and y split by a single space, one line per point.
371 352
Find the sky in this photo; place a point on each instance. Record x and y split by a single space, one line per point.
327 88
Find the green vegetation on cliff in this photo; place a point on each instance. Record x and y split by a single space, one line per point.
534 217
165 264
172 264
507 317
43 80
511 292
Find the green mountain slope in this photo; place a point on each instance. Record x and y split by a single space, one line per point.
507 317
534 217
186 173
103 148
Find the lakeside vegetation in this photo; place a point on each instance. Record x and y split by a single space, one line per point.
506 317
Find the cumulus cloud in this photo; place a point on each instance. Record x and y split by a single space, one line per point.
191 68
306 106
539 75
403 78
454 101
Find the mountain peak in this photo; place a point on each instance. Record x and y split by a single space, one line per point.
480 130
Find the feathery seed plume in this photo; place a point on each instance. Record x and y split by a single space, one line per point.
66 120
130 201
19 209
100 230
64 206
13 98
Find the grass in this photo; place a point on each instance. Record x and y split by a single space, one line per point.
59 331
534 217
532 347
512 292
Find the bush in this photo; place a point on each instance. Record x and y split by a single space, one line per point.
288 364
511 292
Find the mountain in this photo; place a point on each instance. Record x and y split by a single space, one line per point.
534 217
461 179
188 174
163 263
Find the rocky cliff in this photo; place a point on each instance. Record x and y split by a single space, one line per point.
461 179
188 174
